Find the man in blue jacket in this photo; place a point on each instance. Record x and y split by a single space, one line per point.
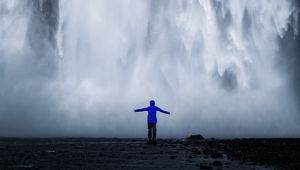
152 120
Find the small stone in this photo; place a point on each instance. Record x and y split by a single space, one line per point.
191 156
217 163
50 151
251 163
216 155
173 157
206 151
196 151
205 167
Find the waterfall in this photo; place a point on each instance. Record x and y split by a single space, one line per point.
216 65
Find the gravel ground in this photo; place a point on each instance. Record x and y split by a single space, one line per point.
130 154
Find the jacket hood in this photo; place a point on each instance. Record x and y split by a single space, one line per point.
152 103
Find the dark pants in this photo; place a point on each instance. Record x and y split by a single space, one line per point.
151 131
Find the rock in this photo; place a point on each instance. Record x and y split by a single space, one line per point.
216 155
206 151
179 141
173 157
217 163
196 151
191 156
252 163
236 155
195 137
205 167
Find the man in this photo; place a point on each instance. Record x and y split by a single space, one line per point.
152 120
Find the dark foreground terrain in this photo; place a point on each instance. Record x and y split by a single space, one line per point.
128 154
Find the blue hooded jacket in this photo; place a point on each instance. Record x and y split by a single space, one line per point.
152 111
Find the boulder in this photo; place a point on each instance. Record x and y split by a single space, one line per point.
195 137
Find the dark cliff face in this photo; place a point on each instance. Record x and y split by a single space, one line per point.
290 55
45 19
296 74
41 35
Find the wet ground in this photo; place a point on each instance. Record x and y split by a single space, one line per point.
130 154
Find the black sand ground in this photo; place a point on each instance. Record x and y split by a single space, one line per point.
128 154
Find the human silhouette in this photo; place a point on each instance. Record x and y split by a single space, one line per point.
152 120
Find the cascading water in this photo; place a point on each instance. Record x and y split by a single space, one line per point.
216 65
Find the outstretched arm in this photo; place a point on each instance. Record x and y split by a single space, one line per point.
141 110
163 111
